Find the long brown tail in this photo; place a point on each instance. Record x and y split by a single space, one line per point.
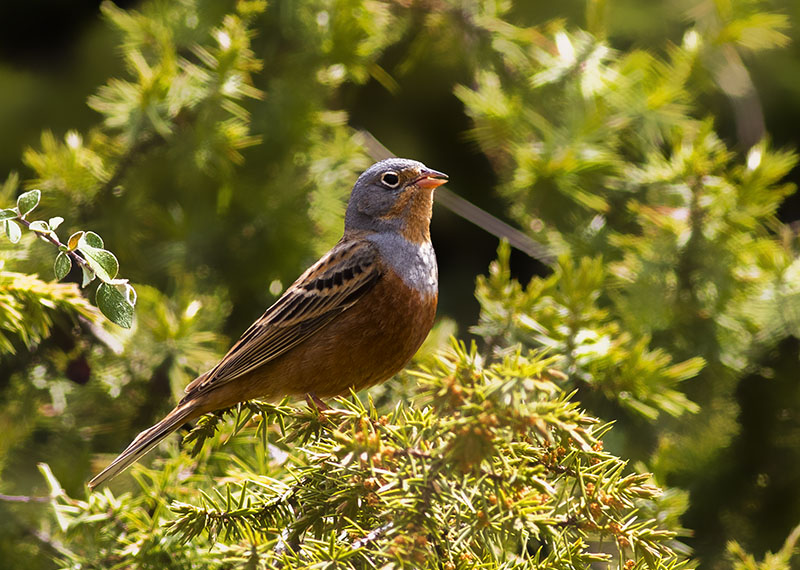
146 441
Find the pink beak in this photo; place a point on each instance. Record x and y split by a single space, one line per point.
430 179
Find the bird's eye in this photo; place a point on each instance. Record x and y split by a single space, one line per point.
390 179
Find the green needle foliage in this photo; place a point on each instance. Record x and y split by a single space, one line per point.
490 466
678 267
674 283
29 305
563 312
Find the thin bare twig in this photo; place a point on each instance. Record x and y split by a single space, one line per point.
23 499
472 213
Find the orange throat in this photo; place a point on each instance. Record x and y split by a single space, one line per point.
415 208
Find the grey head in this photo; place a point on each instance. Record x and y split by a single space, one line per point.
391 195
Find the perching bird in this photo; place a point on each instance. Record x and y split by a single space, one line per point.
353 319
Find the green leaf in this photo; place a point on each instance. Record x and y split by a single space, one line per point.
7 214
62 265
102 262
93 240
13 231
114 305
28 201
39 226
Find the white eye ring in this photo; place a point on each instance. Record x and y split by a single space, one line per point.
390 179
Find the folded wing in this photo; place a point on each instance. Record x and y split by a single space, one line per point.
328 288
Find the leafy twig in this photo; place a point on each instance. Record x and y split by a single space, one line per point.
52 237
115 297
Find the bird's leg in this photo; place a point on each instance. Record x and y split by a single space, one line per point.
319 404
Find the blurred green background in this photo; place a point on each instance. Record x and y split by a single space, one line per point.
185 233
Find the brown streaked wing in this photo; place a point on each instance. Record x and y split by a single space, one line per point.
328 288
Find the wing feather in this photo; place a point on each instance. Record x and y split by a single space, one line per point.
329 287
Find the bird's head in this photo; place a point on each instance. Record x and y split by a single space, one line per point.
396 195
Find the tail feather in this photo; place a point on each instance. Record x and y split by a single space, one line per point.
144 442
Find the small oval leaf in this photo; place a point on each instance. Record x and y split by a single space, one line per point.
7 215
102 262
13 231
55 222
93 240
72 242
114 305
28 201
62 265
39 226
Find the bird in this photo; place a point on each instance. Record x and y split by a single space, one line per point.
354 319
